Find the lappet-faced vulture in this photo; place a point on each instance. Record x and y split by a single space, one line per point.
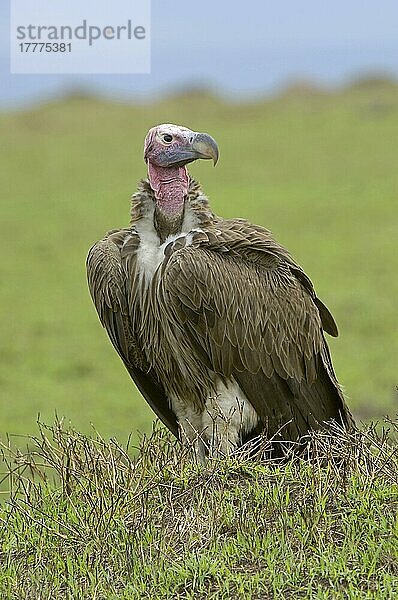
220 329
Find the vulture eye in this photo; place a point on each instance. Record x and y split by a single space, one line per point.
168 138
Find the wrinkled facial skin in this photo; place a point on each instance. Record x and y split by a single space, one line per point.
175 146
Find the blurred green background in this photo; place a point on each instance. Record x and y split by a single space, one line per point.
318 169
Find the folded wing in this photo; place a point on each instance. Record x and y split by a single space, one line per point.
251 314
108 276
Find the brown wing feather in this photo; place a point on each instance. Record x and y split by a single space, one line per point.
251 313
107 278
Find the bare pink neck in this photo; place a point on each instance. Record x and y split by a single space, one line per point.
170 185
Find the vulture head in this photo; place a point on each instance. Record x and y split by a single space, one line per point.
167 150
170 145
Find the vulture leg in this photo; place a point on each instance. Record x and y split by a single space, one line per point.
191 429
225 417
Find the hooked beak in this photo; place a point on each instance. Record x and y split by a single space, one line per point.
205 147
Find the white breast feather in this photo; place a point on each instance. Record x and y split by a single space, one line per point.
150 252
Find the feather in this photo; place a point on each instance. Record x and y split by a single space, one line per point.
222 300
107 284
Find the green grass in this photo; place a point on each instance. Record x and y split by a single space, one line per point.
85 521
318 170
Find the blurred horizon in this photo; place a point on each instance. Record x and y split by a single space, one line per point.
238 53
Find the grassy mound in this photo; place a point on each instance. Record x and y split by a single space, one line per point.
86 520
